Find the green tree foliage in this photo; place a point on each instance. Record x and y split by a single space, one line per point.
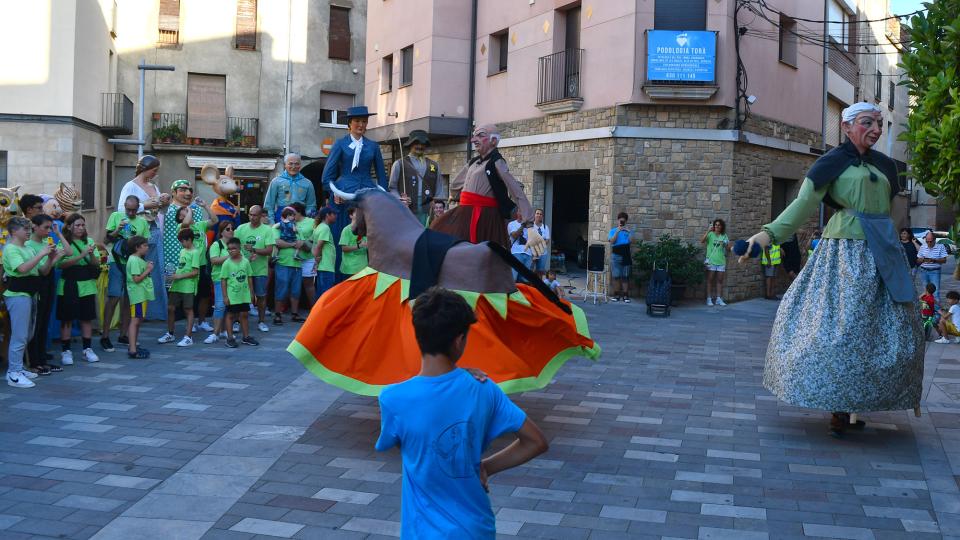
932 66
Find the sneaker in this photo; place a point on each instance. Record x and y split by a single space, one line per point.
185 342
249 340
17 380
166 338
942 340
45 370
277 319
614 298
956 340
90 356
720 302
710 302
236 328
196 328
123 340
223 334
232 343
205 326
262 326
626 299
212 338
28 374
66 358
106 344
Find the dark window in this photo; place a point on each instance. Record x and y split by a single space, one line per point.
386 73
780 196
892 98
246 25
339 43
879 96
497 60
502 50
88 182
3 168
169 23
406 66
680 15
110 201
333 108
788 40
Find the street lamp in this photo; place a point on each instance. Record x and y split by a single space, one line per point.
143 67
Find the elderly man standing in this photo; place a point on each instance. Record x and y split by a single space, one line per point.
288 188
416 179
847 338
488 193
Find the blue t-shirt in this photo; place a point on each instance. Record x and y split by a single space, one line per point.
623 237
442 425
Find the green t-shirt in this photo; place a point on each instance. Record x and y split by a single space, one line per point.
138 292
84 288
134 227
199 229
35 248
717 249
237 274
328 253
305 232
288 256
353 261
189 260
217 249
259 238
14 256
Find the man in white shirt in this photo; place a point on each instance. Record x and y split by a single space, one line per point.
931 257
542 263
518 241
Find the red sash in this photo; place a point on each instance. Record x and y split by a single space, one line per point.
477 202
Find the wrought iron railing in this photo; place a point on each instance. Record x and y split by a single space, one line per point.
559 76
116 114
171 128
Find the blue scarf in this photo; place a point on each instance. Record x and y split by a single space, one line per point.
292 179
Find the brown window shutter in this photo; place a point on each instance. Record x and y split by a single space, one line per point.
206 106
169 22
247 25
339 33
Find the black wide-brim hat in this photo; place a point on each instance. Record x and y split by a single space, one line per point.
360 111
417 136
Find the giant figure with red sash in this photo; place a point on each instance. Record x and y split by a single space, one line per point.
487 194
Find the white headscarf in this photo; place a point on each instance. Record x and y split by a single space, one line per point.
851 112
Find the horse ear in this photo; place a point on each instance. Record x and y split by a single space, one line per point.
209 174
229 172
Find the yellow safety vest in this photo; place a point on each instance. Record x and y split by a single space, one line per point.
774 255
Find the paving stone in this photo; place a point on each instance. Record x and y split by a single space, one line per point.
83 418
111 406
711 478
58 442
266 527
740 512
633 514
345 495
98 504
833 531
373 526
116 480
817 469
679 495
529 516
67 463
656 441
543 494
714 533
726 454
651 456
142 441
896 513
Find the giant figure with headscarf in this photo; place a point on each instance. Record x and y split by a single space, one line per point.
847 337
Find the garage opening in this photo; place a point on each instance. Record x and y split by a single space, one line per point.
567 198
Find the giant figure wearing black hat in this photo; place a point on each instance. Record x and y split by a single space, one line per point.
416 179
349 165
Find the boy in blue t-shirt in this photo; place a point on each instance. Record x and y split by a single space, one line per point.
443 419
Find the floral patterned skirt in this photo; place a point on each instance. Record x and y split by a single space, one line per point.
839 343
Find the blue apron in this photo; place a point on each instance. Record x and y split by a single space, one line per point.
888 254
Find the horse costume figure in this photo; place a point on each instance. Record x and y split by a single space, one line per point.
359 336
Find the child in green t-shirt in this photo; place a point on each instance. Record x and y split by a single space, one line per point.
236 282
183 287
354 257
716 241
139 291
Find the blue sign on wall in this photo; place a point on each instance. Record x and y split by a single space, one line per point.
674 55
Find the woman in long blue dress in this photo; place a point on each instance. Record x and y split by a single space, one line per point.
349 164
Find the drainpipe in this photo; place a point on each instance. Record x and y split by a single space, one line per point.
473 74
289 87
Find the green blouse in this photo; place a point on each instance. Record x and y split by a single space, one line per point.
852 189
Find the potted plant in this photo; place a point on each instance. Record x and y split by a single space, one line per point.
161 135
175 133
683 260
236 136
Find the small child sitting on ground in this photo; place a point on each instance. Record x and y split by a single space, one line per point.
551 280
949 318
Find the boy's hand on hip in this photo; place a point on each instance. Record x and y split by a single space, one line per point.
484 478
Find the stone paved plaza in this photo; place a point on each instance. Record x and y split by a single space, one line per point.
669 435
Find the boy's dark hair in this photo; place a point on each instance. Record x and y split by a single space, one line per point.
234 242
135 242
40 219
16 223
953 295
931 288
299 207
439 317
324 212
185 234
723 225
182 213
622 215
30 200
134 198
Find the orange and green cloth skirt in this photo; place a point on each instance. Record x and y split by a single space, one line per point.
359 336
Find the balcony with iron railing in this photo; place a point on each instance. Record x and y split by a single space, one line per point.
116 114
171 129
559 82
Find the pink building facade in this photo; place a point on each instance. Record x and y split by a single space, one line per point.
599 116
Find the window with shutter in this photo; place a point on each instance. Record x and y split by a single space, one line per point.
169 23
206 106
88 181
892 91
406 66
680 15
3 168
339 43
246 25
788 40
333 108
386 73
